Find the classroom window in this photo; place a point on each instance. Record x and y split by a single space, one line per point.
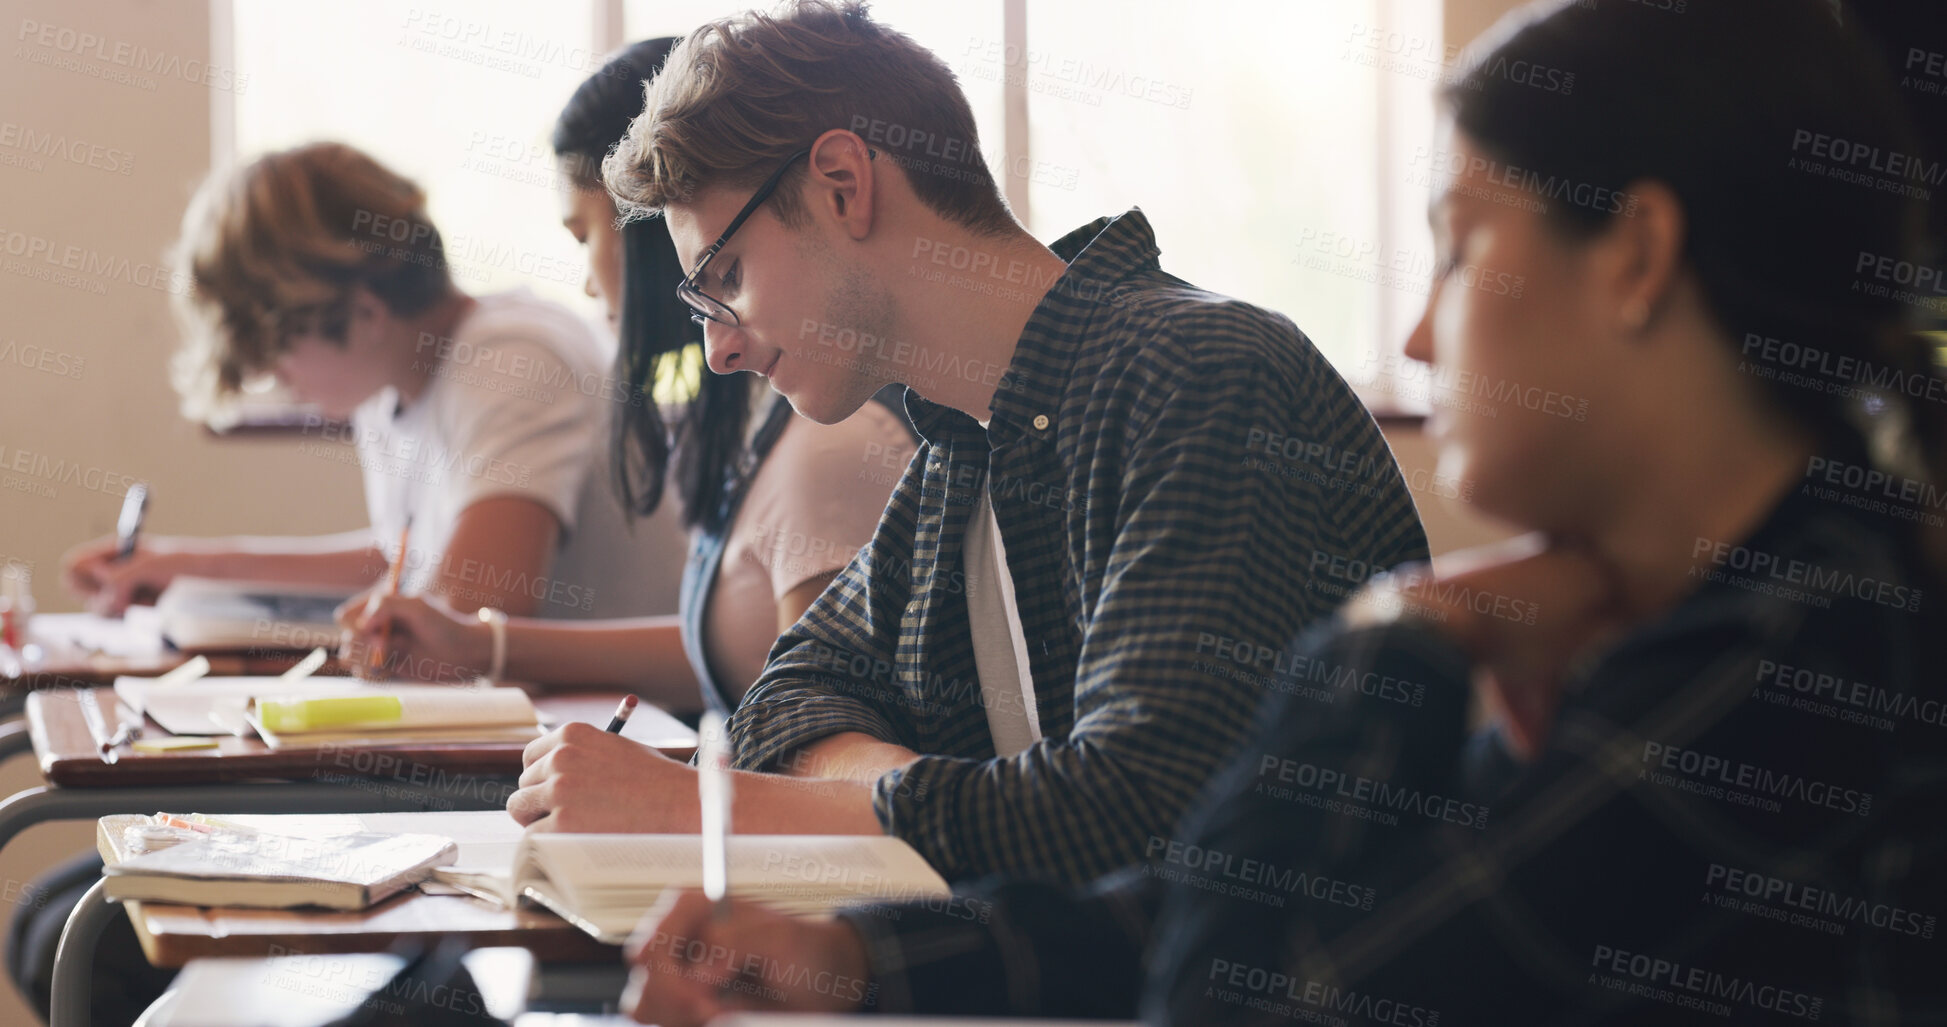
1271 144
1268 142
1276 147
944 28
460 96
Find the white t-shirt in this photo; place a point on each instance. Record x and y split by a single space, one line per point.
518 405
815 501
1000 646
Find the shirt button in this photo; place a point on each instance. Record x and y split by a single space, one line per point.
1041 422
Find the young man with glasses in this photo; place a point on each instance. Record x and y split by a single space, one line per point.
1131 494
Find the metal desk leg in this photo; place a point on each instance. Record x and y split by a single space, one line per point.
74 959
15 739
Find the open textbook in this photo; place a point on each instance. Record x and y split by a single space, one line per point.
599 882
604 883
210 862
208 615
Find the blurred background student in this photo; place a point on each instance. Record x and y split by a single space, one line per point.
776 504
1650 826
481 419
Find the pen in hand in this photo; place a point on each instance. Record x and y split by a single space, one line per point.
377 656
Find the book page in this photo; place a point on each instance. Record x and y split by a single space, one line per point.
465 707
356 859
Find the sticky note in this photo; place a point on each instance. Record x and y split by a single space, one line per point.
174 743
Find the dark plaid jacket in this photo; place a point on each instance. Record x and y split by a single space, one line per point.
1740 816
1182 483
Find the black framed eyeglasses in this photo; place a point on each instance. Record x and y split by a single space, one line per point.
703 306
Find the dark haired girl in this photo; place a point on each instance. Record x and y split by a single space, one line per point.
776 504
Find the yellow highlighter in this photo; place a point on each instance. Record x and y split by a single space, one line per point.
296 716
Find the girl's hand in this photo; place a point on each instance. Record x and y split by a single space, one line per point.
430 641
92 571
1524 610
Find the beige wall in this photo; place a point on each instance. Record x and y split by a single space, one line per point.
83 404
72 441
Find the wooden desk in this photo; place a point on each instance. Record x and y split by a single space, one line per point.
69 752
172 935
81 649
233 779
246 776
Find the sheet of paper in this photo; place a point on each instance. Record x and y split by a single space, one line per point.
137 635
215 705
486 838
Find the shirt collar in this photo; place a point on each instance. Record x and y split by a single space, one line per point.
1100 256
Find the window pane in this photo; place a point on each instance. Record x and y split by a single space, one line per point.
953 31
460 98
1253 139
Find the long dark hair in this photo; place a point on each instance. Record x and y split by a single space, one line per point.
1737 105
703 451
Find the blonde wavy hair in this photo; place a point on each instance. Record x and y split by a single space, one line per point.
742 94
276 247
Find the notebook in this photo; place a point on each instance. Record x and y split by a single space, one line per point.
223 705
135 636
486 838
204 614
604 883
278 871
393 715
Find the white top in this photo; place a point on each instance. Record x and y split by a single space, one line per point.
1000 648
813 503
517 405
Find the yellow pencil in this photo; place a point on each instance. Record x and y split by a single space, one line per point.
377 656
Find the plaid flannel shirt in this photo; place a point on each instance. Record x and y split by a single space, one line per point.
1735 819
1179 478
